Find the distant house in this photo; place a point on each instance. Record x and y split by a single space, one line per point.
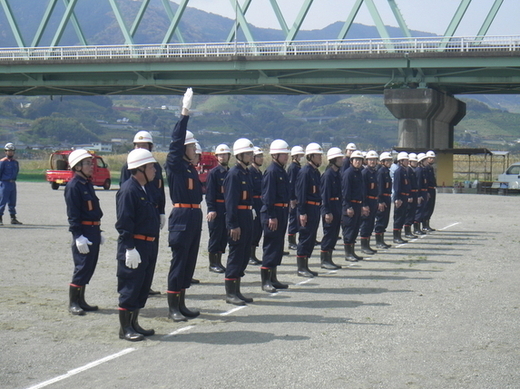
102 147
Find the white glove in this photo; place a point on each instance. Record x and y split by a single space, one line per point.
254 214
133 258
102 239
82 244
186 101
163 221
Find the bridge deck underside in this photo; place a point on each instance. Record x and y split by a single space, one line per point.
493 73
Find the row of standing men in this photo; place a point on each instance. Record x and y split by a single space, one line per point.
249 204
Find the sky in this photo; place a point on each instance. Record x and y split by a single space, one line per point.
423 15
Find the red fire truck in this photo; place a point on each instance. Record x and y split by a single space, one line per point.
207 162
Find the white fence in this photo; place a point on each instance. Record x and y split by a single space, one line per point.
255 49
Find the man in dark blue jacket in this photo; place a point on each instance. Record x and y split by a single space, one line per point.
402 188
256 180
292 171
9 169
370 200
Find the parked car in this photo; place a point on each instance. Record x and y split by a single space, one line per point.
511 177
59 173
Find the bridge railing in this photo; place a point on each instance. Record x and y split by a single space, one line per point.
255 49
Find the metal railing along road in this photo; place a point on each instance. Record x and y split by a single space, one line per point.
255 49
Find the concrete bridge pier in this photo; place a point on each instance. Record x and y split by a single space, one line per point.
427 119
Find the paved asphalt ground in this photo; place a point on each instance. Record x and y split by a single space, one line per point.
439 312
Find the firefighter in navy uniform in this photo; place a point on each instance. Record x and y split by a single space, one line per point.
256 179
238 195
432 191
292 171
274 214
216 216
351 147
401 195
84 214
384 196
144 140
138 225
309 201
331 207
9 169
371 192
185 221
414 194
421 175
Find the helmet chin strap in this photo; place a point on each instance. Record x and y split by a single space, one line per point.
144 174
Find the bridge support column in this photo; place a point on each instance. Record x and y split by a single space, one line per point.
427 119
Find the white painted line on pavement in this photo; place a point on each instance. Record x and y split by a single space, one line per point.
178 331
233 310
451 225
304 282
82 369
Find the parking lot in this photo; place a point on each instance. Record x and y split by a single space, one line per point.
439 312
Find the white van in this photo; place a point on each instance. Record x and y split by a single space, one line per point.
511 177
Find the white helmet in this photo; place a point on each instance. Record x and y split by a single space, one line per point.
143 137
402 155
413 157
139 157
356 154
313 148
430 154
421 156
77 156
222 149
279 146
334 152
190 139
242 145
198 149
297 150
9 147
372 154
258 151
351 146
385 155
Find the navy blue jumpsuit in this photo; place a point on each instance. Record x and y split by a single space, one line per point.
256 181
414 194
371 192
432 185
275 199
138 225
401 192
9 169
345 165
422 185
352 192
292 171
215 203
84 214
238 191
185 221
156 186
330 203
384 195
308 195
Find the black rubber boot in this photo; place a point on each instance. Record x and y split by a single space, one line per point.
152 292
267 285
303 267
83 304
231 292
350 254
126 331
74 307
326 261
1 220
365 246
408 232
292 242
426 226
240 295
137 327
215 265
274 280
14 220
397 237
253 260
183 309
417 229
174 312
